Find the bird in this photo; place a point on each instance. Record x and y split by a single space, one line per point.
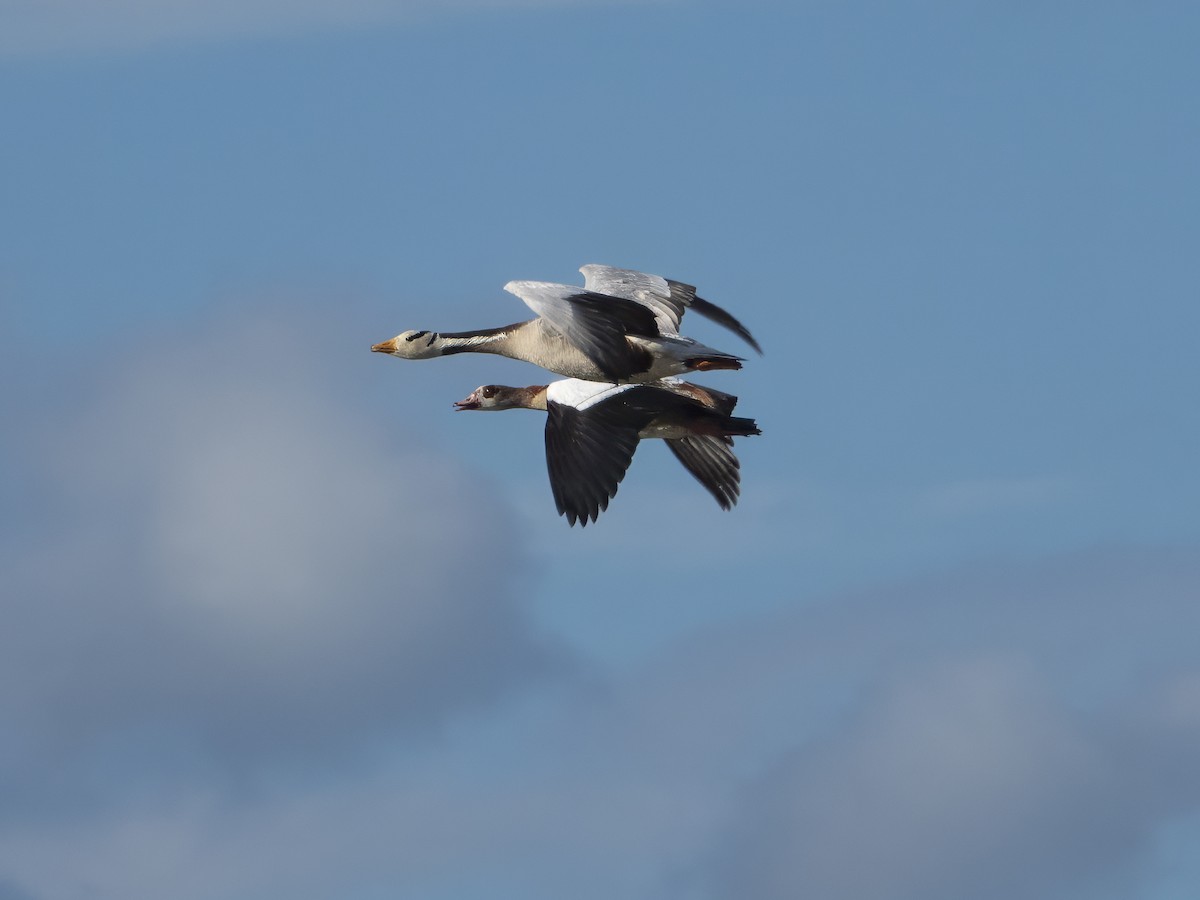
593 429
621 326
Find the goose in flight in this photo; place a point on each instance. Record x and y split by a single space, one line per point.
593 429
621 326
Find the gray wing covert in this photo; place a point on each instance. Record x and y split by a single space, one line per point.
666 298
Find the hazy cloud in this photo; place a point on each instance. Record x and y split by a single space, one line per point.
230 559
1003 729
233 574
997 731
962 780
1020 733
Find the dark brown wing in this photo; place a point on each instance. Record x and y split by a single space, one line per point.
587 455
712 463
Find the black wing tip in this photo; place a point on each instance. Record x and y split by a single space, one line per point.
717 314
580 518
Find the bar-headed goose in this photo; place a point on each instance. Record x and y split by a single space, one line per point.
620 326
593 429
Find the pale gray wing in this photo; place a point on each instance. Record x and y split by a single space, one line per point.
598 324
652 291
666 298
712 463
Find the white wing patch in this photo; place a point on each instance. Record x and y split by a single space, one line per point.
581 394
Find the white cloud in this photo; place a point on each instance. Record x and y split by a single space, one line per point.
999 730
71 26
1004 731
231 557
960 780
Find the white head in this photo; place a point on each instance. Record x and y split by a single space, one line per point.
499 396
412 345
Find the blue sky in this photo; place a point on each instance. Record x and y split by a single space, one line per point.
278 623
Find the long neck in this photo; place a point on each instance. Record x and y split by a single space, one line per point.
536 397
485 340
532 397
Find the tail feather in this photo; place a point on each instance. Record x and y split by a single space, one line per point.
736 426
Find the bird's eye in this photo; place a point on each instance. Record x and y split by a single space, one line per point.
433 336
489 391
415 335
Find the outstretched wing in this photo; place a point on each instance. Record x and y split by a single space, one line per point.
587 455
667 299
712 463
